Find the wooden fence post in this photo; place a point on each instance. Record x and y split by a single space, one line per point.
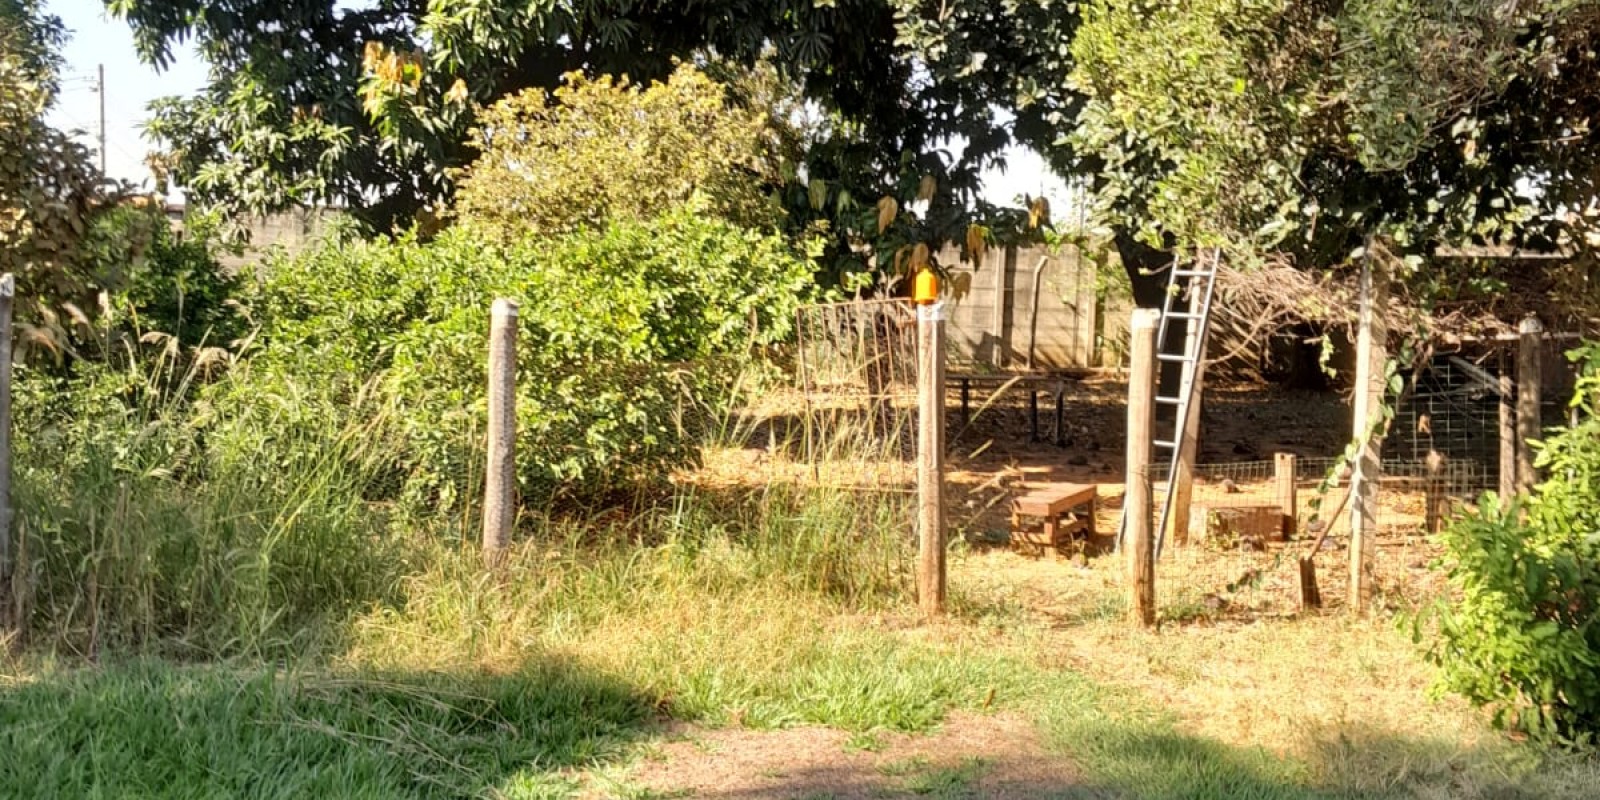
1436 502
1284 469
1137 500
1508 433
1529 391
8 610
499 510
1370 388
931 574
1182 484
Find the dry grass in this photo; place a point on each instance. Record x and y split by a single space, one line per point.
1346 697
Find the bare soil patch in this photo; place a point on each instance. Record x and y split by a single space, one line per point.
970 755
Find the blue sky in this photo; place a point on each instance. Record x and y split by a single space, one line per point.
130 86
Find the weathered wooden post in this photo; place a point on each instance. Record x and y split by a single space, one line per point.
1182 484
1530 388
1137 500
1436 502
1284 467
931 574
1508 433
8 622
1370 385
499 511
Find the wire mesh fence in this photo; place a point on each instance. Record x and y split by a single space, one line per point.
1304 496
857 370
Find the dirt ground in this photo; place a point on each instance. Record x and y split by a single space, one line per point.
996 756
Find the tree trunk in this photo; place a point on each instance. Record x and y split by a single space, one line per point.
1147 272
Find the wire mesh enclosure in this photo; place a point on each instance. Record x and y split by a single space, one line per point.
1457 403
857 365
1304 496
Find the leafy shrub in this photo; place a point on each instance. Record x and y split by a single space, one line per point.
602 150
149 279
1519 634
173 282
620 330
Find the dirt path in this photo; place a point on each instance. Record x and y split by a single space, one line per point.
990 756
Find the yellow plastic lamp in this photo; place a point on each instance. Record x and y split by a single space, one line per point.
925 287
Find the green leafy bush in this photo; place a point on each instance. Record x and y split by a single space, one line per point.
602 149
145 278
621 330
1518 634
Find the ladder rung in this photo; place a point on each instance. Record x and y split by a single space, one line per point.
1193 273
1169 401
1163 443
1181 315
1174 358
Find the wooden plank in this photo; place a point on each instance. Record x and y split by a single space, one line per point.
1183 481
931 573
1054 500
1139 543
1530 388
1284 467
1262 522
1508 434
1370 359
1087 297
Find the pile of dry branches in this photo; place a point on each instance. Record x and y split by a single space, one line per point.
1269 299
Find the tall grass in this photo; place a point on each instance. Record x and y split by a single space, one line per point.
143 524
192 507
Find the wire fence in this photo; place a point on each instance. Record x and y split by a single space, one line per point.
857 369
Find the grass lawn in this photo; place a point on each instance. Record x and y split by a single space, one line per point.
520 690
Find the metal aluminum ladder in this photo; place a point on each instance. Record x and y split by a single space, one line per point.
1199 284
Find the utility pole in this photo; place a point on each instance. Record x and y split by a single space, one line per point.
100 89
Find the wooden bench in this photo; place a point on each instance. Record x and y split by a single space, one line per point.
1051 503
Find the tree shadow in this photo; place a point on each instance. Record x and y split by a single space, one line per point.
155 729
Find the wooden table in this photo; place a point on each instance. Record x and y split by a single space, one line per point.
1050 503
1052 384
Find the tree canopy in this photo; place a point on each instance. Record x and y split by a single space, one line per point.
49 186
371 107
1288 127
1305 126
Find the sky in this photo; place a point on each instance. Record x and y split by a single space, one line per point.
130 85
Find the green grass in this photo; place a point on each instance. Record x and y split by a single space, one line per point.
157 729
561 718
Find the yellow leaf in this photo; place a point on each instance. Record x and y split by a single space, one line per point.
977 243
926 189
888 209
1038 212
920 256
819 193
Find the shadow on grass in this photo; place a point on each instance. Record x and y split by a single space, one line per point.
153 729
1150 761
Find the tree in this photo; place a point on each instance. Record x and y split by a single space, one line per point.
1304 127
370 107
49 187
